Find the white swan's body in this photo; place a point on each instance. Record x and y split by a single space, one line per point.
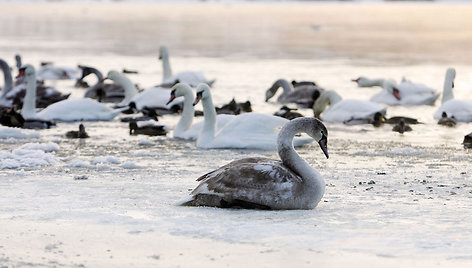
340 110
245 131
184 129
265 183
155 97
79 110
302 95
51 72
404 93
459 109
192 78
66 110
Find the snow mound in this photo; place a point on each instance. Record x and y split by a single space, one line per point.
105 160
29 155
17 133
46 147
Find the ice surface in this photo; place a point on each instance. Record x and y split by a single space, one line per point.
391 200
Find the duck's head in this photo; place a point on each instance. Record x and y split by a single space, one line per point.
203 93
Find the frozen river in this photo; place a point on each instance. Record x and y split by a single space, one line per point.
390 199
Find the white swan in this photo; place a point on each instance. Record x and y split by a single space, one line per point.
340 110
184 128
66 110
304 95
50 72
156 98
193 78
404 93
245 131
125 83
363 81
264 183
459 109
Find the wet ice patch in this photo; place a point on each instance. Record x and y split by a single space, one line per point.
405 151
29 155
79 164
17 133
145 141
129 165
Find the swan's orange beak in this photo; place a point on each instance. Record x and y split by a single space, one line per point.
396 93
172 97
355 80
21 73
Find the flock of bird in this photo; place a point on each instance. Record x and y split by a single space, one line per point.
260 183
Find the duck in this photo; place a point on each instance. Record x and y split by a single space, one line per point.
264 183
9 117
234 107
467 141
146 128
101 91
340 110
288 113
303 95
460 109
401 127
84 109
148 114
184 128
81 134
447 121
244 131
192 78
48 71
404 93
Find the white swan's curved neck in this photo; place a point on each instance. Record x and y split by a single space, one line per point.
209 125
448 85
166 70
186 119
29 102
313 182
130 90
328 97
8 85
